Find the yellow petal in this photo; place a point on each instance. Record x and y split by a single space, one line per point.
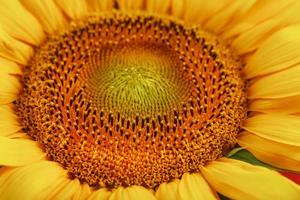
239 180
8 121
158 6
168 191
9 67
260 11
9 88
69 190
279 128
277 154
194 187
102 194
18 152
224 17
19 23
279 85
31 180
279 51
199 11
132 193
288 105
74 9
19 135
5 172
47 13
65 189
251 39
100 5
130 4
51 191
177 8
83 192
13 49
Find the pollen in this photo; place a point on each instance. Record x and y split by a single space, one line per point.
132 99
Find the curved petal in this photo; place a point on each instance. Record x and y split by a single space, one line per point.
9 88
250 40
261 11
5 173
19 135
158 6
239 180
277 154
19 23
200 11
65 189
279 128
50 192
83 192
29 181
13 49
8 121
132 193
287 105
100 5
279 85
168 191
18 152
194 187
9 67
280 51
177 8
47 13
131 4
224 17
74 9
100 194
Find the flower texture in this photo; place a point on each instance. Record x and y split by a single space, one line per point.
149 99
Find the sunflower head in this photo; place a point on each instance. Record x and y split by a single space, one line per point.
133 100
146 99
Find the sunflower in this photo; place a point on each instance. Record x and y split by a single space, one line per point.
149 99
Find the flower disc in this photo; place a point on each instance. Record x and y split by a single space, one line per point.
132 99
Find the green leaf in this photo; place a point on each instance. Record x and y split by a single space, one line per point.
246 156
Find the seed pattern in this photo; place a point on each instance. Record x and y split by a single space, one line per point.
123 99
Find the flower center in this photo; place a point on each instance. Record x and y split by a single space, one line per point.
136 80
132 99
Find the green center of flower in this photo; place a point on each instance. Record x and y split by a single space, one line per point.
139 80
132 100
